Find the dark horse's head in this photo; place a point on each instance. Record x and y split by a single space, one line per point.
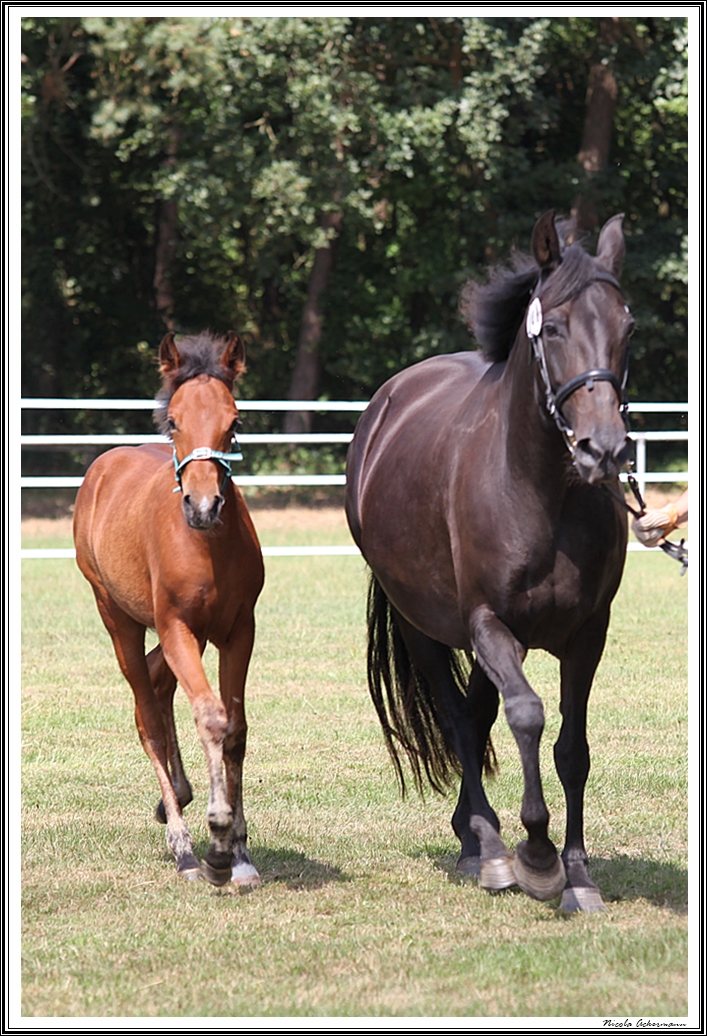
569 306
196 410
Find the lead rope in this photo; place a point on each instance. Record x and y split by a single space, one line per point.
677 551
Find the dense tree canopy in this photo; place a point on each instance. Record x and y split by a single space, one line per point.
326 185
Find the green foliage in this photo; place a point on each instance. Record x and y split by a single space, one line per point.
438 140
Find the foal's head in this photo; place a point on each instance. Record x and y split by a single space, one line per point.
198 413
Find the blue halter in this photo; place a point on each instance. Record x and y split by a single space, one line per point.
206 453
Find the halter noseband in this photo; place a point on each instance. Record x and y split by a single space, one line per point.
206 453
556 398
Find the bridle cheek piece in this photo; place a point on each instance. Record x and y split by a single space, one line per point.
556 398
206 453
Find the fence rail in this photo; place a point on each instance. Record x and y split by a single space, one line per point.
281 481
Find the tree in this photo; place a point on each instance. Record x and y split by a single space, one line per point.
325 185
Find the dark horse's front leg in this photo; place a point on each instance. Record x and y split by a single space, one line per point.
572 759
538 869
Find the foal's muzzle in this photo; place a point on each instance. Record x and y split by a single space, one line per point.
202 513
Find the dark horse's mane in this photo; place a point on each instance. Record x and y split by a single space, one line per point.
494 311
199 355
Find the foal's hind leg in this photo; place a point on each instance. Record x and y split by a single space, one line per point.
165 684
233 666
128 639
466 732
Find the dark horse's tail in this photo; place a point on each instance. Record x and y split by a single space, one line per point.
405 701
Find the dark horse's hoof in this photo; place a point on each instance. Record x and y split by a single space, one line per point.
540 884
582 899
469 866
497 874
216 875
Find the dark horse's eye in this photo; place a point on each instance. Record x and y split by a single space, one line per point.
550 329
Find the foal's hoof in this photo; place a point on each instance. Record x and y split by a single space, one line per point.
215 875
540 884
497 874
582 899
469 866
244 875
191 873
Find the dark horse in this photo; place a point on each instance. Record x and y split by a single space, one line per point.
482 489
188 565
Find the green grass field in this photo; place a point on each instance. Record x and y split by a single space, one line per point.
361 912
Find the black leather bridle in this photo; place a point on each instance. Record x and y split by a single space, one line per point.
556 398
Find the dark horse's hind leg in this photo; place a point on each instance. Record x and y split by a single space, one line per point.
481 709
465 723
165 684
538 869
572 761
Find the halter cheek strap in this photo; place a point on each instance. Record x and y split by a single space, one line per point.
206 453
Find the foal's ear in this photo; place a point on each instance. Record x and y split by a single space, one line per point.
169 354
611 247
233 356
545 243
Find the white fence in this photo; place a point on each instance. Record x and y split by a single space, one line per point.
316 438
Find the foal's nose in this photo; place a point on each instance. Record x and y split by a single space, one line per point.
202 512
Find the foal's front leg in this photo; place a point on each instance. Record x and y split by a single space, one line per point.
128 638
538 869
182 652
165 684
234 657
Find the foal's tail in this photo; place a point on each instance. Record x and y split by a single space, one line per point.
405 701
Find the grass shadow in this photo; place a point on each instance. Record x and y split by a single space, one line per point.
624 877
294 869
291 868
619 877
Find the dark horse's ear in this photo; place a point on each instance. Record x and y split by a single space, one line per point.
233 356
169 354
611 247
545 243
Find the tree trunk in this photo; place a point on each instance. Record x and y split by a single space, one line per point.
598 125
305 376
166 244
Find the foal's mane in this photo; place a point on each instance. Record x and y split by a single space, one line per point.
199 355
494 311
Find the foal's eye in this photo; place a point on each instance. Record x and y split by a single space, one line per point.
171 425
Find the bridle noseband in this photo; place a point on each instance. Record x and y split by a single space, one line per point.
556 398
206 453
